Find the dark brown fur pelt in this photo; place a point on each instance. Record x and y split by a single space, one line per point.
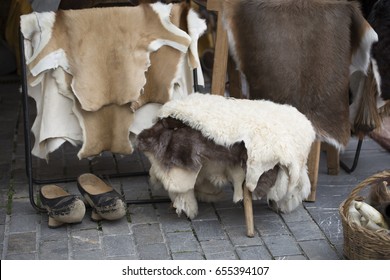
298 52
175 144
379 19
266 181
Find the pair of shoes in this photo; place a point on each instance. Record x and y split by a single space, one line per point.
65 208
62 207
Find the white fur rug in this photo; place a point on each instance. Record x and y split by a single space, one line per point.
273 133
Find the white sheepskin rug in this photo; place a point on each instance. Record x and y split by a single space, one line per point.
273 134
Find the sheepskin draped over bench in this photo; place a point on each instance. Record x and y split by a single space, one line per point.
256 137
302 53
86 71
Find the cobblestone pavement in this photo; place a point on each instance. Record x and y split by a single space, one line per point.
153 230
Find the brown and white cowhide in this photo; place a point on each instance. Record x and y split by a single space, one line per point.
301 52
204 141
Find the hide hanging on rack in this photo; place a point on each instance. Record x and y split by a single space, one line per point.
97 91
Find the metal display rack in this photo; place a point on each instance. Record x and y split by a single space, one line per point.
27 140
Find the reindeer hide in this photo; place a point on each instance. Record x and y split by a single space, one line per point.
301 52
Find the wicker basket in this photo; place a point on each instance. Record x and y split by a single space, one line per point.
361 243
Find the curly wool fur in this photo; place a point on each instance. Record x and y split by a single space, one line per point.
204 141
273 134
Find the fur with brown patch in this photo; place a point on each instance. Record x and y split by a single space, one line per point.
191 166
172 145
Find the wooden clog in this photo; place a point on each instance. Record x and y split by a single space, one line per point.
62 207
106 202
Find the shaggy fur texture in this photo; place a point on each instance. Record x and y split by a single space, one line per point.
299 52
272 133
205 141
189 165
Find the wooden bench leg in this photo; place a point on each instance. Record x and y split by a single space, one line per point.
248 209
332 158
313 162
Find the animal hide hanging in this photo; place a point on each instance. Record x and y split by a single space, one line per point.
371 89
170 73
299 52
101 74
106 128
51 132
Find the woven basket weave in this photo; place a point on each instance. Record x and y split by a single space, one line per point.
361 243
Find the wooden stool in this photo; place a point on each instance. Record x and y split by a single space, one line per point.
223 65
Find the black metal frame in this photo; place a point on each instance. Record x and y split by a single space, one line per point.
355 160
27 141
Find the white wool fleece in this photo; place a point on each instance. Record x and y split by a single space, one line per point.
273 134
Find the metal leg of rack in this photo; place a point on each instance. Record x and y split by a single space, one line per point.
355 160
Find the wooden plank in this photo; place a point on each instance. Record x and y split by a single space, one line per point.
220 54
214 5
333 159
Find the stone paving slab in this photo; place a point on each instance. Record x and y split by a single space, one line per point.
154 230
